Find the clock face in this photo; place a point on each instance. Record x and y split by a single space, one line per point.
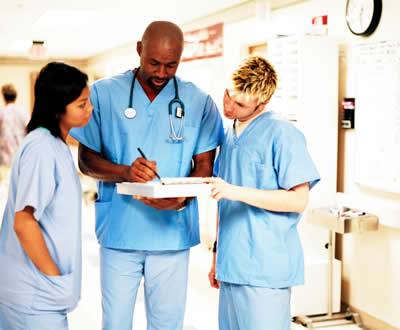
362 16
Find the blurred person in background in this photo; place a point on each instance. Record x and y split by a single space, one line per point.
13 121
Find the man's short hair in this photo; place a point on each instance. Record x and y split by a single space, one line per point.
256 77
9 92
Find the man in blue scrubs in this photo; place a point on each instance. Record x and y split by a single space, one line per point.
265 173
147 237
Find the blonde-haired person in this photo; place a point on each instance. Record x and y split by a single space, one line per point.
264 176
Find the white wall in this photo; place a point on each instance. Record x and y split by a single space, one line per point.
212 75
18 72
371 261
114 61
19 76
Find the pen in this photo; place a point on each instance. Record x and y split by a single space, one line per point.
143 155
352 213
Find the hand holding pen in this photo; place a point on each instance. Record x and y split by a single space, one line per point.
155 172
142 170
175 203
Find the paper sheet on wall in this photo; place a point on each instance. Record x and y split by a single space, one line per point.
377 121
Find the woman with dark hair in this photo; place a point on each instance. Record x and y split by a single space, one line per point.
40 237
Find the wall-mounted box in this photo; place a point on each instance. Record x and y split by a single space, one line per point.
348 106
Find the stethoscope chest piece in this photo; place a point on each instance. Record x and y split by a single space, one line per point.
130 113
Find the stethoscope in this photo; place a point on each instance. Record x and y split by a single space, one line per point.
130 112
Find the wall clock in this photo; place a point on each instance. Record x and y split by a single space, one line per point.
362 16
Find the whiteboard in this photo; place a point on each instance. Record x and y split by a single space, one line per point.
377 115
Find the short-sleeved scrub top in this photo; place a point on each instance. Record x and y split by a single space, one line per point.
121 221
44 177
258 247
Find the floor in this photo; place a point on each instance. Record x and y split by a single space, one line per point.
202 300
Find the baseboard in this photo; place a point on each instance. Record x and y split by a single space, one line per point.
372 323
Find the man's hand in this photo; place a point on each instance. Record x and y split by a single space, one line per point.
211 276
141 170
163 203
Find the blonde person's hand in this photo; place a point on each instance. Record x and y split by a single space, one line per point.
221 189
211 277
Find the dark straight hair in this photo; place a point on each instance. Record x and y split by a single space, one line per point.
57 85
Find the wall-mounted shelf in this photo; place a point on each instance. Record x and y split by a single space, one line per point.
336 223
342 224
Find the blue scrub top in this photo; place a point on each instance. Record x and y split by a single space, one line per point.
121 221
255 246
43 176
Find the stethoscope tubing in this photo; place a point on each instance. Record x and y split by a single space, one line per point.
176 99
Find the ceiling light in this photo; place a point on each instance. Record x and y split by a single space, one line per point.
38 51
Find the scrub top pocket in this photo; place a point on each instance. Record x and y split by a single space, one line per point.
54 293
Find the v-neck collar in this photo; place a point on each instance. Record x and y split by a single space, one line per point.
166 89
150 92
249 127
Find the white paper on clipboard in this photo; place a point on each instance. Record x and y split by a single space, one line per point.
170 189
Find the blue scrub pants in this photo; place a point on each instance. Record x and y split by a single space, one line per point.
11 319
243 307
165 282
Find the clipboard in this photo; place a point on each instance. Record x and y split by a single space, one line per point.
172 187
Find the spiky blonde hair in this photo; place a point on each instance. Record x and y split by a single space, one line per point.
256 77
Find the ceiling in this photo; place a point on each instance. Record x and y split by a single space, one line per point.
83 28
